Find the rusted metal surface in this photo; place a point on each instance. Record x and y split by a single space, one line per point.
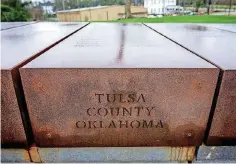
15 155
218 47
223 131
19 46
70 90
10 25
117 154
102 45
22 43
214 45
12 130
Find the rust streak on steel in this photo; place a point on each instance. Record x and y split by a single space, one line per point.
34 154
182 154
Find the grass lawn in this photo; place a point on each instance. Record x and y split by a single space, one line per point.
184 19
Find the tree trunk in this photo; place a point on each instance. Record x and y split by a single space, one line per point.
208 6
197 9
230 5
127 9
177 2
63 4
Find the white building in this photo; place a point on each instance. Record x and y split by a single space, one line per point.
48 9
158 6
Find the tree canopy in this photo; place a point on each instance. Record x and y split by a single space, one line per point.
14 10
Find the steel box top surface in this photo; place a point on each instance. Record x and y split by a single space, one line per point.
19 44
217 46
9 25
116 45
226 27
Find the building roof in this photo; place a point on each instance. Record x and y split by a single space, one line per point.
82 9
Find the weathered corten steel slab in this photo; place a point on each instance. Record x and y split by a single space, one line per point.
223 131
10 25
118 85
12 130
18 46
217 46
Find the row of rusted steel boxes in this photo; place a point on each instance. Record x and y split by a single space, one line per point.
117 85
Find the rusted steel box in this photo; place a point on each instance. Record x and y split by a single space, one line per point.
218 47
12 133
118 85
19 46
223 131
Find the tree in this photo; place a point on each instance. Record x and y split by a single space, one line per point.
14 10
230 5
198 4
127 9
208 5
121 2
11 3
